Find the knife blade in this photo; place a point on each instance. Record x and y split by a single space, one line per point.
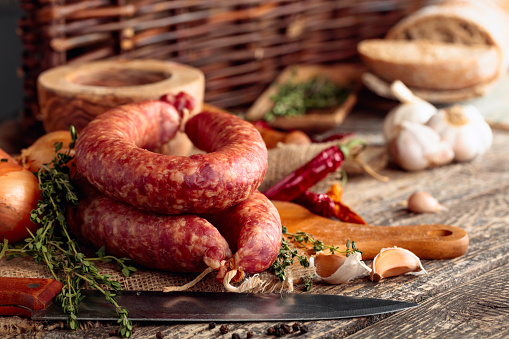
33 298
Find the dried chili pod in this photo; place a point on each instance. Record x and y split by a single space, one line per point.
325 206
318 203
300 180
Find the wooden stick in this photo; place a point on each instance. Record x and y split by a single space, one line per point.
49 13
61 45
127 10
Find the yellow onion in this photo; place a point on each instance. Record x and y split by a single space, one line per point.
19 194
42 151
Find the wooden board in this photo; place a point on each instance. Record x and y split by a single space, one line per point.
314 121
426 241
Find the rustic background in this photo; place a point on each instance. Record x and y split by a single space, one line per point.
11 89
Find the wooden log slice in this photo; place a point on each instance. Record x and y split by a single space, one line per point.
76 94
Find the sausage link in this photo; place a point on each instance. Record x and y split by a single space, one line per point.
112 154
185 243
253 230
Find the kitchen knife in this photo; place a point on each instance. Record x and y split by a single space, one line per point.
33 298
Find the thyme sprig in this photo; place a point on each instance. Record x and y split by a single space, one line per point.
304 238
287 255
53 245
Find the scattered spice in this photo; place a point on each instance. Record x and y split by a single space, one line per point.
279 331
296 327
212 325
224 329
286 328
294 98
304 329
271 331
235 336
159 335
249 334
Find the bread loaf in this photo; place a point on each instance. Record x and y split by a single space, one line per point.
430 64
475 32
466 22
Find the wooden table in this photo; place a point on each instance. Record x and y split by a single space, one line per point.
465 297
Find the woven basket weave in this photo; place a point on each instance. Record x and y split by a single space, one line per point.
240 45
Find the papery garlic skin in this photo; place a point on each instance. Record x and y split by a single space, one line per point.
412 108
464 128
417 147
394 261
353 267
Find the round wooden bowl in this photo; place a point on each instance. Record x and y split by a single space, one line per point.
76 94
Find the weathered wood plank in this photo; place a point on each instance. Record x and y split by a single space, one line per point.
478 308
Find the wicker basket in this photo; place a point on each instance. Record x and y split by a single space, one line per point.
240 45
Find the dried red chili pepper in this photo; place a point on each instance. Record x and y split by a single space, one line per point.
322 204
319 203
300 180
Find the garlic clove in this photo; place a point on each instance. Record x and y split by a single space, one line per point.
394 261
418 147
464 128
422 202
412 108
336 269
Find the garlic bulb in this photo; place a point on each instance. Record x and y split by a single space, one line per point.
417 147
335 269
463 127
394 261
412 108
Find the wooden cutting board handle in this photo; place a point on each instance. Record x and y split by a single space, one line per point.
426 241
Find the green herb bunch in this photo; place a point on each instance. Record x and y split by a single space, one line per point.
294 98
53 245
287 255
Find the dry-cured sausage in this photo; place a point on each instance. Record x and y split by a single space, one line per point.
184 243
253 230
113 153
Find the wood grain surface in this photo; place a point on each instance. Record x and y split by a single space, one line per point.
463 297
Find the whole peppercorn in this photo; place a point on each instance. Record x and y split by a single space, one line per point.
223 329
212 325
271 331
286 328
235 336
296 327
304 329
250 334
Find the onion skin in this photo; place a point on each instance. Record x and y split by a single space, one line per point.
42 151
19 194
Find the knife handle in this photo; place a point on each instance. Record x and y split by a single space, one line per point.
21 296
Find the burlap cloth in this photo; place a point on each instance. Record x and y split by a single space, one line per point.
282 161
